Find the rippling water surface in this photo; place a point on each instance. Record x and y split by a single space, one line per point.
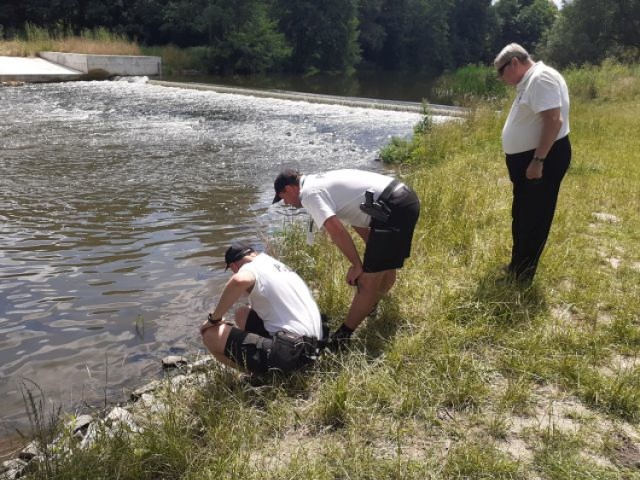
117 200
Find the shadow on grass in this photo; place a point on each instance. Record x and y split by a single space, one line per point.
379 330
498 302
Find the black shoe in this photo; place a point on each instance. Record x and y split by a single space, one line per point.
505 273
509 277
338 341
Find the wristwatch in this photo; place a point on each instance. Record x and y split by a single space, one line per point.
538 159
213 320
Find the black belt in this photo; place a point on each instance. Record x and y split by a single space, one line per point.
310 340
386 193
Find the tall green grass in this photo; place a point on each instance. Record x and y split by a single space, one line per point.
61 38
467 86
179 61
458 369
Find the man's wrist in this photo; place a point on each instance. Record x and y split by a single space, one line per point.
538 159
213 320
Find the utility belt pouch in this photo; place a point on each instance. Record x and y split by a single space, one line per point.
289 352
375 209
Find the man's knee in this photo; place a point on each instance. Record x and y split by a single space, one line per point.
390 276
215 338
388 281
370 281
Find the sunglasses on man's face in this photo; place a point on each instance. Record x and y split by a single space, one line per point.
504 65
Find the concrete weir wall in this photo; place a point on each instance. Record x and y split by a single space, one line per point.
103 66
29 69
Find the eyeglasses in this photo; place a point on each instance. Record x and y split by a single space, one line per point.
504 65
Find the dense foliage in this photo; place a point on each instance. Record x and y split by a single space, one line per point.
308 36
589 31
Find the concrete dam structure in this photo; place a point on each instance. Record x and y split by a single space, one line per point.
58 66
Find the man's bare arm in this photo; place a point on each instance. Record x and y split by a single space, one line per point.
241 282
340 236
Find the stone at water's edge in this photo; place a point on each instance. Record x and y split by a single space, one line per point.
148 388
12 469
80 423
173 361
29 452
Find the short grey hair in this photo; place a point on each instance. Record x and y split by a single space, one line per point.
513 50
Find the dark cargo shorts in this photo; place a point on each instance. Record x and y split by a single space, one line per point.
250 348
258 351
389 243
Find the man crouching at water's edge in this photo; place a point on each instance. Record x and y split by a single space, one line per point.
381 210
282 327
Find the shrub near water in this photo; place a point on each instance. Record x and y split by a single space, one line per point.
468 85
459 376
177 61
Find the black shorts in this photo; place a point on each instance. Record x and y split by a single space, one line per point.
389 243
258 351
250 348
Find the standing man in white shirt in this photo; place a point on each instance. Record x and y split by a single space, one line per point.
383 211
282 328
535 139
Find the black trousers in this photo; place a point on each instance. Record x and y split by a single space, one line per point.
534 204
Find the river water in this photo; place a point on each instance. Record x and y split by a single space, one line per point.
117 200
386 85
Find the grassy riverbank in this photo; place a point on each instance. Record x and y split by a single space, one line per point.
459 376
98 41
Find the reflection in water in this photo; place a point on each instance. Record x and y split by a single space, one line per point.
384 85
117 200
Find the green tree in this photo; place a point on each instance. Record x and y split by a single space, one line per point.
144 20
625 25
323 34
240 36
243 37
522 21
417 35
185 22
372 35
587 31
12 16
469 26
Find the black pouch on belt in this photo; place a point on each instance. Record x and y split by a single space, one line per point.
378 209
289 352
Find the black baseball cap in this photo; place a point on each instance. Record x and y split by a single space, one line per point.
235 252
288 176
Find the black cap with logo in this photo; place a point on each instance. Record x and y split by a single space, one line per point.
235 252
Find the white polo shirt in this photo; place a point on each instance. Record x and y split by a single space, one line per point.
282 299
542 88
340 193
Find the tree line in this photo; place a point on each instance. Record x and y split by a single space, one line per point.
309 36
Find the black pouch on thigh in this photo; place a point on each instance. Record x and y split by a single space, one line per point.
289 352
